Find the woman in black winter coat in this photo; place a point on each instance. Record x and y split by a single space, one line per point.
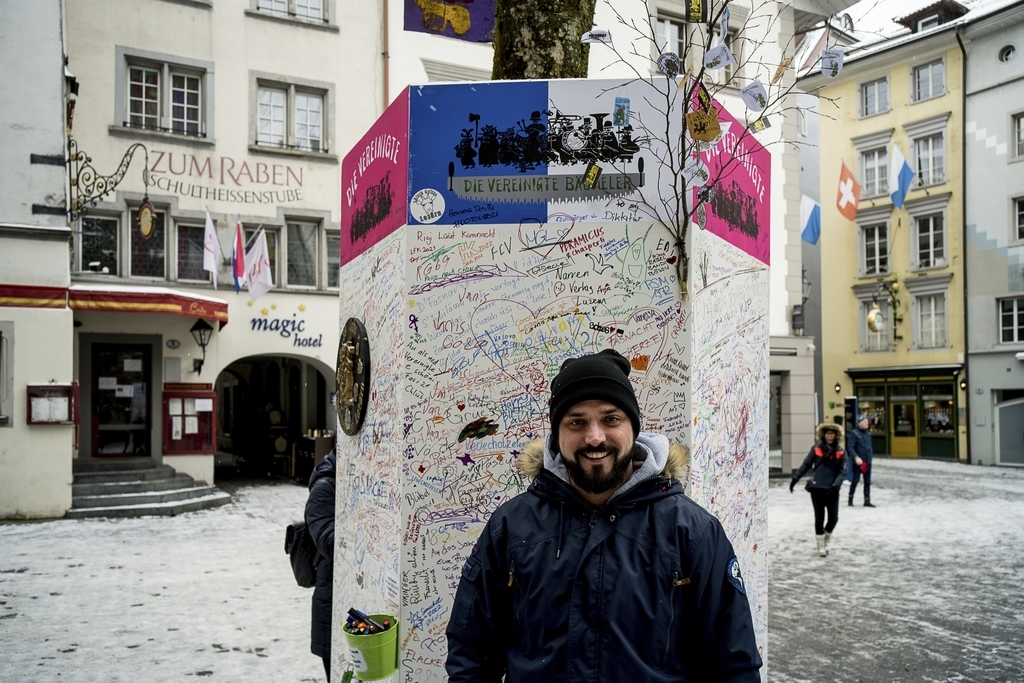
827 461
320 523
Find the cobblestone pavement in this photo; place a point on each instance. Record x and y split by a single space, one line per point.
928 586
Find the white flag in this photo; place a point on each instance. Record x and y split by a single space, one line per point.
211 249
257 268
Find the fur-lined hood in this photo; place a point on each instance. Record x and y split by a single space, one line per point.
819 432
531 460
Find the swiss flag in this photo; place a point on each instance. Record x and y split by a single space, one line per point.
849 193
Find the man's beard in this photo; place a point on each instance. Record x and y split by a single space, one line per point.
596 482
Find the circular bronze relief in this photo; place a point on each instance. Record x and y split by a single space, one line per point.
353 376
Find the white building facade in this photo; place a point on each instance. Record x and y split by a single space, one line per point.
994 235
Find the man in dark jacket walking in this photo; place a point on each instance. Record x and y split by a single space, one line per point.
603 570
860 451
320 523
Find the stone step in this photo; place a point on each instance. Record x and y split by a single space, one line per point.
141 498
81 465
149 474
103 488
214 498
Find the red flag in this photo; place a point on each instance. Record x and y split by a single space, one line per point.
849 194
238 258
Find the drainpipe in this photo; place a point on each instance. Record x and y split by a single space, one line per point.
963 238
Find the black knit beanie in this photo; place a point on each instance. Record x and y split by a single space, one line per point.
597 376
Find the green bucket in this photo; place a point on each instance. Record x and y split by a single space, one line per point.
375 655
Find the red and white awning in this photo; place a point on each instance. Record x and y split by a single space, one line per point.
134 299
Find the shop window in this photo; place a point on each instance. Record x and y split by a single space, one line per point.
333 259
190 253
874 97
1011 320
937 415
99 240
929 80
871 402
147 251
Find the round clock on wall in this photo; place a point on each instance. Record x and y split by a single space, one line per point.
353 376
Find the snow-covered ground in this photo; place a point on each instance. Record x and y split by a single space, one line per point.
206 594
925 587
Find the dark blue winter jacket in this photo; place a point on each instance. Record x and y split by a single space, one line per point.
858 444
320 523
644 589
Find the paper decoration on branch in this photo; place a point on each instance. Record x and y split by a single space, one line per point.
761 124
755 96
696 12
704 97
781 70
831 62
669 64
703 125
702 217
620 114
696 173
723 23
597 35
719 57
705 146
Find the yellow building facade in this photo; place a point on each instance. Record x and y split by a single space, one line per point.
905 365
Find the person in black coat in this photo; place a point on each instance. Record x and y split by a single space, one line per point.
320 523
827 460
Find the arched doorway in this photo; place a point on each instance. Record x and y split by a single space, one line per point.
269 408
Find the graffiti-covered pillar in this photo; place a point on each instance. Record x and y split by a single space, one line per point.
489 232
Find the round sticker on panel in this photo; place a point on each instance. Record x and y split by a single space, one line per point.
427 206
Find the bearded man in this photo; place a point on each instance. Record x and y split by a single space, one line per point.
603 570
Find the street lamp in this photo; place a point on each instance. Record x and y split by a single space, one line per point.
201 332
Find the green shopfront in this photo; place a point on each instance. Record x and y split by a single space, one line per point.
913 412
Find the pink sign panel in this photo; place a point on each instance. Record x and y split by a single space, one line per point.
374 182
740 173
